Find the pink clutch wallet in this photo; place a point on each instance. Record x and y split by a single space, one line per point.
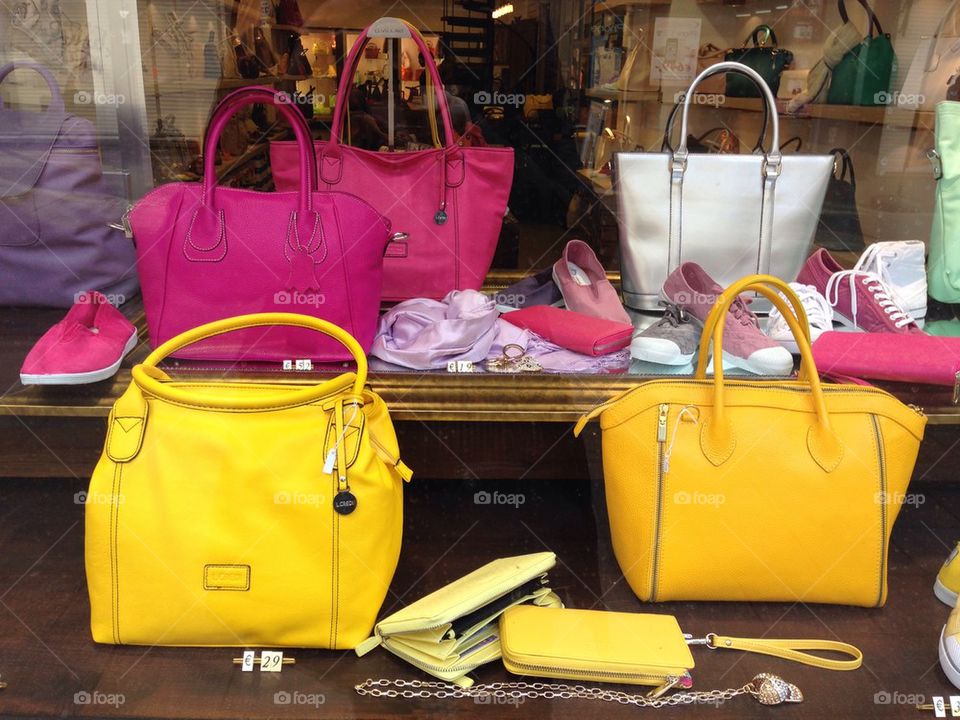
572 330
915 358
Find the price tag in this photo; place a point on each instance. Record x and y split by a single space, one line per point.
304 365
288 364
939 708
955 705
271 661
388 27
460 366
248 656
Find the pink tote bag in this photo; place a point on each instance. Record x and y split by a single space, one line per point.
448 201
206 252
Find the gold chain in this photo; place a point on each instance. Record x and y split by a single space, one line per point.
507 692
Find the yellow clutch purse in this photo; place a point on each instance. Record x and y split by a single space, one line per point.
244 513
454 629
768 490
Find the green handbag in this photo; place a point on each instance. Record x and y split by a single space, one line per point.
863 75
943 264
768 60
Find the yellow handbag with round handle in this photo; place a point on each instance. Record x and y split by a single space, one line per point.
767 490
244 513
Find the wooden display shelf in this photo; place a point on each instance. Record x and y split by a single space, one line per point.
896 116
599 93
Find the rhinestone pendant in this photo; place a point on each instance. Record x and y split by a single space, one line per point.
772 690
441 217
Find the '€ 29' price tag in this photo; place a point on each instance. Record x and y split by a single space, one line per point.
271 661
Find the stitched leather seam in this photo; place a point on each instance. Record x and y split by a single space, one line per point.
171 244
877 441
221 240
208 586
117 480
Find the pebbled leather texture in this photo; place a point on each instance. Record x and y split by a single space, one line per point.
408 188
229 476
205 253
798 510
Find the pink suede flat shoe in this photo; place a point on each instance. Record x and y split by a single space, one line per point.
88 345
584 285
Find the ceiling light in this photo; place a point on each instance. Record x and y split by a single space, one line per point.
502 10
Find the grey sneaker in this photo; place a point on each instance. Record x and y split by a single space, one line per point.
672 340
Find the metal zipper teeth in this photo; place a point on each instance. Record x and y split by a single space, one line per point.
595 673
882 465
661 439
463 668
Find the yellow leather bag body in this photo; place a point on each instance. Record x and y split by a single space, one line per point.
763 490
211 518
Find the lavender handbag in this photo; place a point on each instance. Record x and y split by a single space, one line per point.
55 209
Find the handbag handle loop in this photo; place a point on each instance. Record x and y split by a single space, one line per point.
56 99
873 20
145 374
773 157
254 95
671 121
844 165
717 439
350 67
770 37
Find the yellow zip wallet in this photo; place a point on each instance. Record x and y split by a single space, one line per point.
454 629
633 648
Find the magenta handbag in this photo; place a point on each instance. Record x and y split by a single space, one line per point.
449 201
897 357
206 252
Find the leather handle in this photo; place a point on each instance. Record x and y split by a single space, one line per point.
793 649
671 121
717 439
56 99
254 95
724 67
771 36
845 165
874 21
350 67
145 374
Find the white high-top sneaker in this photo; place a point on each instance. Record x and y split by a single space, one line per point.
900 264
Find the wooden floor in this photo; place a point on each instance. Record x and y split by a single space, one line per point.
47 657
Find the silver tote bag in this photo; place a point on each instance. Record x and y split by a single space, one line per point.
735 215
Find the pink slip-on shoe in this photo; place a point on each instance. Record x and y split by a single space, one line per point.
744 344
584 285
88 345
860 300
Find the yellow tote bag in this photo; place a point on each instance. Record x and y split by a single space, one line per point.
244 513
767 490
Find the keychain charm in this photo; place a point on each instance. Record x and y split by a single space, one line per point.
345 502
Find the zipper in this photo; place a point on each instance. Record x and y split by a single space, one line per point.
661 679
882 465
661 443
462 668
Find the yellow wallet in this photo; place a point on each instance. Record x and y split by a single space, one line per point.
633 648
454 630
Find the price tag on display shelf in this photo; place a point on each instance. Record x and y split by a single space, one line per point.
271 661
248 656
939 708
955 705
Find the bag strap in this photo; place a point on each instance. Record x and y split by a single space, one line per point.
771 36
788 649
666 145
874 21
350 67
56 99
845 165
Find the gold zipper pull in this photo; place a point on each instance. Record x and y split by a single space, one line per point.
662 423
668 684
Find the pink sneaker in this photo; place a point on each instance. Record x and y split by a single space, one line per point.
584 285
744 344
860 299
86 346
